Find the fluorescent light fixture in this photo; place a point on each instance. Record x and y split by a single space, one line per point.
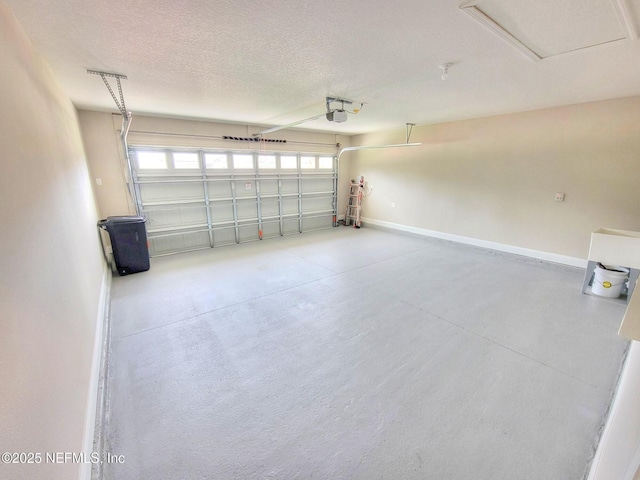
474 12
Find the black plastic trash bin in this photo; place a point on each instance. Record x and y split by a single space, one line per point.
129 243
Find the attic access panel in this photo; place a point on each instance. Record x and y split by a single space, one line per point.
549 27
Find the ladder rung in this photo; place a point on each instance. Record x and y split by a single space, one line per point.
354 205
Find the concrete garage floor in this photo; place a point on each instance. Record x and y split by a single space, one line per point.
358 354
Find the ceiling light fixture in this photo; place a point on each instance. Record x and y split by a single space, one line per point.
445 70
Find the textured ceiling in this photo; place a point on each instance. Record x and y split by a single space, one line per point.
272 63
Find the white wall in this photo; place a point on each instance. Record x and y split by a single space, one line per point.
495 178
618 455
51 265
106 163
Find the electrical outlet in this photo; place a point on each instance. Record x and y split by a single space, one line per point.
559 197
98 181
393 204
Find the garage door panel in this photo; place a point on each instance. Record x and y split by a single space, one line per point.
268 187
229 197
269 207
290 226
177 243
219 189
289 206
309 185
245 188
271 229
224 235
289 186
314 204
157 192
247 209
196 215
248 233
317 223
221 212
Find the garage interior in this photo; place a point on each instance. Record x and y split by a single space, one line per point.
446 338
350 354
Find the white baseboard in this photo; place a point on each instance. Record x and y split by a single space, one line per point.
94 381
502 247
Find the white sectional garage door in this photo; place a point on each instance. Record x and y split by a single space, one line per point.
195 199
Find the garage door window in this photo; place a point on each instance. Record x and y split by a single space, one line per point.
325 163
307 162
242 162
267 161
186 160
151 160
288 162
216 161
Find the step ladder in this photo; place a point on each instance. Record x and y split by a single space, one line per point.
354 205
